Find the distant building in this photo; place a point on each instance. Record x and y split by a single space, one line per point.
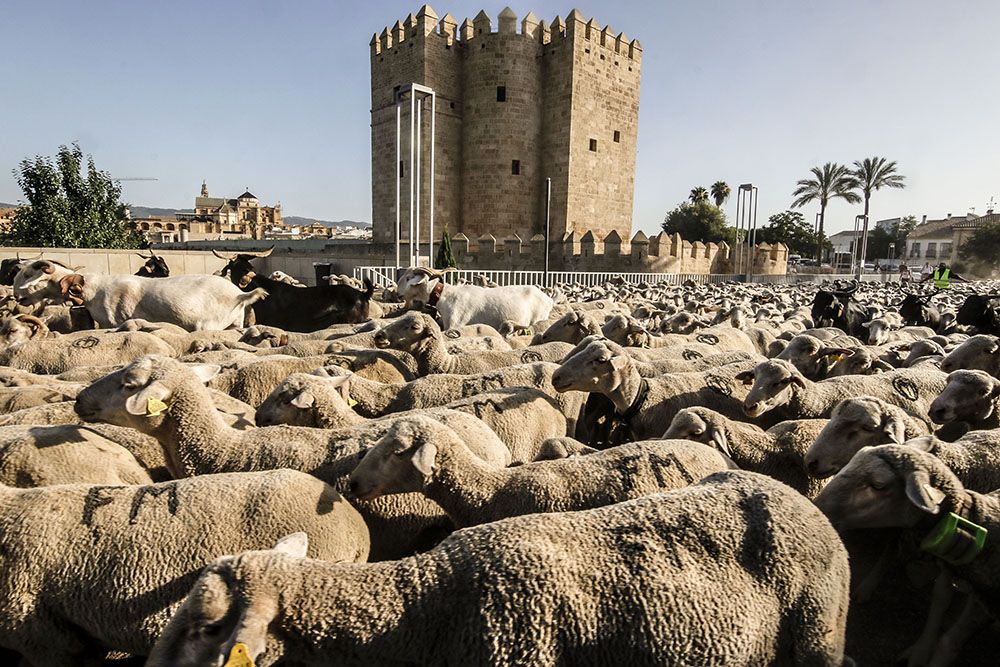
843 246
214 218
940 240
7 220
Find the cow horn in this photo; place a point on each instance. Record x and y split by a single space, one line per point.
262 253
144 256
220 255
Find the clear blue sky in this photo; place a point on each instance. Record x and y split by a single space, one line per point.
274 96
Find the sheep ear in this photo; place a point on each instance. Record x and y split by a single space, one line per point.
866 325
139 402
721 442
619 361
205 372
797 379
894 430
925 443
922 493
251 632
746 377
996 389
423 459
304 399
295 545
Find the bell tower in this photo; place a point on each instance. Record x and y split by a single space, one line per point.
204 189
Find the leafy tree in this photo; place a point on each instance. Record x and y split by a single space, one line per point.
790 228
698 194
880 239
699 221
903 229
828 182
68 208
445 256
982 249
873 174
720 193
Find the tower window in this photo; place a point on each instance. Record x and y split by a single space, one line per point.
618 137
400 168
501 93
451 105
515 167
593 145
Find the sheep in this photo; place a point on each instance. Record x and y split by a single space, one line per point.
42 415
812 356
283 277
643 407
43 456
970 397
881 332
374 399
57 355
777 452
860 361
919 351
778 385
572 327
902 486
562 448
864 421
588 587
459 305
91 568
197 442
419 335
521 417
978 353
253 382
18 398
421 455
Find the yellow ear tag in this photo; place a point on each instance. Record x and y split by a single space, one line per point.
351 402
838 358
155 407
239 657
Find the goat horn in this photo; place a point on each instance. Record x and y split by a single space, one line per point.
262 253
227 258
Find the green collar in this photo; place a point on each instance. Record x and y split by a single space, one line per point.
955 539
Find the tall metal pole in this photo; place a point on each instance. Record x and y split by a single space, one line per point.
419 175
431 194
855 246
548 211
864 245
412 122
739 222
753 237
399 177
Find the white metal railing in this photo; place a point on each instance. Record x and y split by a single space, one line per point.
384 276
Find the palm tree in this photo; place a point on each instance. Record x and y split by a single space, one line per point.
875 173
828 182
698 194
720 192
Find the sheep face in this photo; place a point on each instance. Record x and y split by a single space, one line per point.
38 280
402 461
234 601
968 396
854 424
20 329
624 330
809 354
406 332
859 362
774 384
881 487
700 425
878 331
295 399
415 286
597 367
570 328
139 394
920 349
978 353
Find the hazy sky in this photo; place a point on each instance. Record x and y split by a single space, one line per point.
275 96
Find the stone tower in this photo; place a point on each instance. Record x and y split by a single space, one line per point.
515 105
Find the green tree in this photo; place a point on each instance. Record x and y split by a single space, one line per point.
698 194
720 193
880 240
828 182
699 221
69 205
982 249
790 228
445 256
873 174
902 230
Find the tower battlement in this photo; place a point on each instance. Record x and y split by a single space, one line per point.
519 100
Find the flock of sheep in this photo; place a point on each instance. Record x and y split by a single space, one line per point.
627 474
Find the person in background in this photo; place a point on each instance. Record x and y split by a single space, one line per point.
943 276
904 274
926 271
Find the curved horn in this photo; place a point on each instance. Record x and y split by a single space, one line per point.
262 253
227 258
144 256
40 326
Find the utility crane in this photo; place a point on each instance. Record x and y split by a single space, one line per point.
134 178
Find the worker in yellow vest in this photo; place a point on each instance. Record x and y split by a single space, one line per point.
942 276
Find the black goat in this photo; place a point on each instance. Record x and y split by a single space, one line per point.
836 308
917 312
155 267
980 311
301 309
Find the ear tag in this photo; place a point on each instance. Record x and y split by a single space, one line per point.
351 402
239 656
838 358
155 407
955 540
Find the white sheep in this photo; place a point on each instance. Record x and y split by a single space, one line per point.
634 583
87 569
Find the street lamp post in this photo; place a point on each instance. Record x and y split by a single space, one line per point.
860 224
746 220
